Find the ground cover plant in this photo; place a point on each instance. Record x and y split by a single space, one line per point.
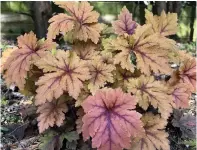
105 87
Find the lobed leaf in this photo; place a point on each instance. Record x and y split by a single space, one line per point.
148 50
110 119
61 23
107 57
86 51
147 47
21 59
151 92
51 141
71 136
124 24
187 73
124 59
122 77
67 72
101 73
181 95
155 137
85 92
165 24
5 55
82 21
50 114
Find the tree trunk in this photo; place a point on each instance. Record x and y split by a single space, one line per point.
193 16
158 7
170 6
142 12
174 7
41 13
177 7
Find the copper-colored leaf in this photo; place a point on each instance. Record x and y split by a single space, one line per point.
124 24
155 137
165 24
148 50
109 44
5 55
82 21
107 57
122 77
19 62
174 79
51 113
124 58
85 92
180 95
187 73
61 23
101 73
110 119
151 92
85 51
67 72
147 47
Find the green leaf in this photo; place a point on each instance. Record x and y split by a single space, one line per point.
71 136
54 51
71 145
51 141
4 101
4 129
191 143
41 41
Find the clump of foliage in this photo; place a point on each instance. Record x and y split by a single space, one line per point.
106 84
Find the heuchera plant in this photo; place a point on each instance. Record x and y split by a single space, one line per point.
110 75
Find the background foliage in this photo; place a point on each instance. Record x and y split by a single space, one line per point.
17 17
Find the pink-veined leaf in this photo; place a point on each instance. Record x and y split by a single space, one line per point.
187 73
19 62
181 95
81 20
64 72
124 24
51 113
110 119
155 137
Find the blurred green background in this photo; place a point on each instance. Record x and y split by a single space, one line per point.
20 17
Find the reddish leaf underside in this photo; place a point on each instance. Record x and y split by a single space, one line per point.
181 95
187 73
110 119
124 24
